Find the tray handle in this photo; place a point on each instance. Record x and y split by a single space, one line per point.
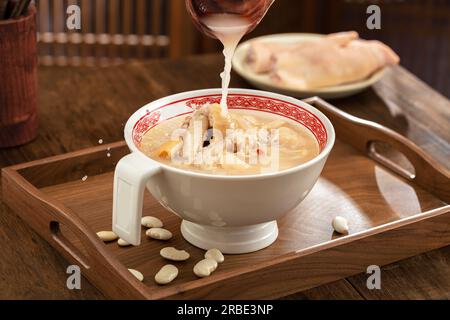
362 134
25 200
64 244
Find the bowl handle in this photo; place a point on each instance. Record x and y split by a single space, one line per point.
130 177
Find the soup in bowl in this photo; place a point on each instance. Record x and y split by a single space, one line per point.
228 176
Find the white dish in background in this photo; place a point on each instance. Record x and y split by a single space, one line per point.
263 81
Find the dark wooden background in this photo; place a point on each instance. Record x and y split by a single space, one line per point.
419 30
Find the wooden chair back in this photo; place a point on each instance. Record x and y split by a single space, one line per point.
112 31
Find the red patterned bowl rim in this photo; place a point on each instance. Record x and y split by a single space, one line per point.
241 101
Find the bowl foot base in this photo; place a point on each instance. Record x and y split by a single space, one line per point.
230 240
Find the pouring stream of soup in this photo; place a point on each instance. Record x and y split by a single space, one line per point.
228 21
229 29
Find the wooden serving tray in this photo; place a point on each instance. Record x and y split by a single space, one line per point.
393 214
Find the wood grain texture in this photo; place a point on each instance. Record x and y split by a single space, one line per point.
383 210
18 86
81 96
338 290
424 286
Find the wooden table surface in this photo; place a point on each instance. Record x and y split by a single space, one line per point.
78 106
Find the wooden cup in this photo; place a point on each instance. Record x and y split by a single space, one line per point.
18 80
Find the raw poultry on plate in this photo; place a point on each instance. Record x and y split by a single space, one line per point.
335 59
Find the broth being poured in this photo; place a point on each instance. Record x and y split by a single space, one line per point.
228 21
229 29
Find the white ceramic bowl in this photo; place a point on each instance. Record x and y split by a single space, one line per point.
236 214
264 82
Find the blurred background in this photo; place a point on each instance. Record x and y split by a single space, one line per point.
114 31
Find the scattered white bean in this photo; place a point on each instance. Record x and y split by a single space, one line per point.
151 222
340 224
214 254
123 243
137 274
107 236
170 253
100 141
205 267
166 274
84 178
159 233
